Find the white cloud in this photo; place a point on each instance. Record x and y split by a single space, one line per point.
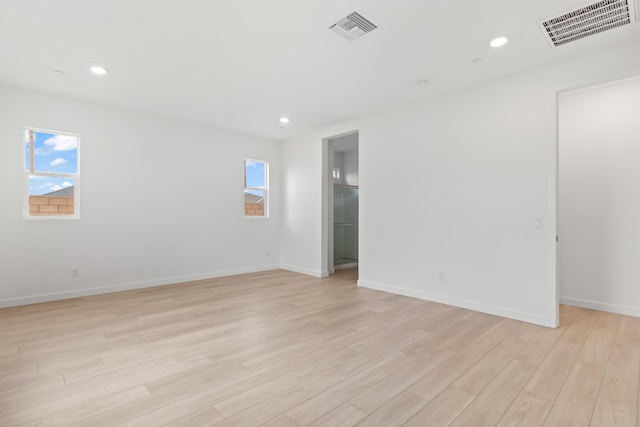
57 162
62 143
50 186
252 163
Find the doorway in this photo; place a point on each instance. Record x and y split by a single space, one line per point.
598 202
342 182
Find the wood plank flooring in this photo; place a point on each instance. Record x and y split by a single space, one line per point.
282 349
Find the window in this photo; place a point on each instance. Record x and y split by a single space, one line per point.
256 188
336 174
51 174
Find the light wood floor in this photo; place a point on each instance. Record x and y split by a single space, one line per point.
282 349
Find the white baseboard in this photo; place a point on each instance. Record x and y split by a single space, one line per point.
462 303
344 266
308 272
601 306
55 296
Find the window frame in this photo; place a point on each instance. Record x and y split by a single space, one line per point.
27 172
265 188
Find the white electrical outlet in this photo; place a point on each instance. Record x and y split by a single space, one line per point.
267 252
75 272
442 276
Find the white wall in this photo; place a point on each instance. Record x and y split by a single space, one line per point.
350 166
599 219
453 184
302 212
179 213
347 162
338 162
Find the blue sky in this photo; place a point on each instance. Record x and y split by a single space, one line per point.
255 176
53 153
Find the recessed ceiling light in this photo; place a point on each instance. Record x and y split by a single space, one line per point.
98 70
422 83
498 41
58 71
284 120
476 60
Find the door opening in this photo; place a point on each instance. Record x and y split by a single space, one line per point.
341 202
598 204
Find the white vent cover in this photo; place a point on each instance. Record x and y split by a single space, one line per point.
590 20
353 26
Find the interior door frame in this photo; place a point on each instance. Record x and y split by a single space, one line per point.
590 81
327 266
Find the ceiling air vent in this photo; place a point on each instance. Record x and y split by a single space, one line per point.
588 21
353 26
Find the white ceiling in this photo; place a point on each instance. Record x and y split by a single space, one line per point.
241 64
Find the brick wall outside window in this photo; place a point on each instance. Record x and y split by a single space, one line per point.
254 209
50 205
